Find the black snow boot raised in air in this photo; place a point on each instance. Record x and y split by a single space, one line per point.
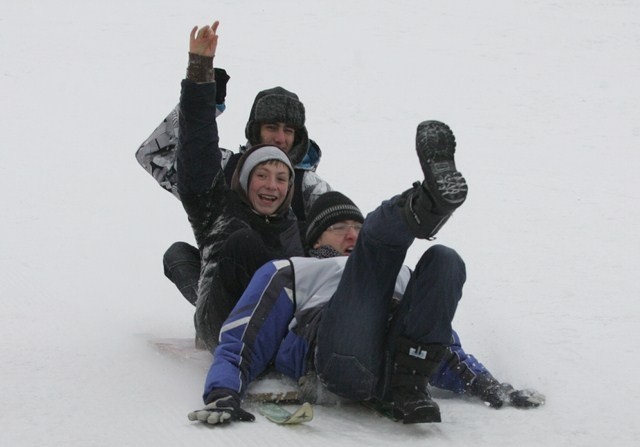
414 364
428 205
436 145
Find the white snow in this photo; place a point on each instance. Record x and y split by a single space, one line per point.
542 95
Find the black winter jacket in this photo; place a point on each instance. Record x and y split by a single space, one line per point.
216 210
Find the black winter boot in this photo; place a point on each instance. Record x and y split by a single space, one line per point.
417 207
429 205
414 364
436 145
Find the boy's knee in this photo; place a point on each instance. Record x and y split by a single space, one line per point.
444 253
178 251
445 258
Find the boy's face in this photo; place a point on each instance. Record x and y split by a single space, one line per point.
268 186
341 236
278 134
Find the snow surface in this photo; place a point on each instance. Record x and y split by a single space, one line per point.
543 97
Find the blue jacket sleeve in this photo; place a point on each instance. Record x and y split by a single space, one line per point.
251 335
458 369
198 157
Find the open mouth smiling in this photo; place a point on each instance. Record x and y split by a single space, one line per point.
267 198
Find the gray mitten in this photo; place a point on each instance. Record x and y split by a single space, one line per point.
224 406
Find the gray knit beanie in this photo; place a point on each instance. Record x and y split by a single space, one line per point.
263 154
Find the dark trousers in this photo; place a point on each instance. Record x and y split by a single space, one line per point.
181 264
355 343
241 255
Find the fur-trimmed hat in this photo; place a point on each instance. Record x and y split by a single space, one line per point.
329 208
278 105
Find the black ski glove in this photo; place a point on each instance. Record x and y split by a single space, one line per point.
224 406
495 394
222 78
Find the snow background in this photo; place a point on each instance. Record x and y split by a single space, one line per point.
543 98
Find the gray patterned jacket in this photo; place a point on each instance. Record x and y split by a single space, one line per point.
157 155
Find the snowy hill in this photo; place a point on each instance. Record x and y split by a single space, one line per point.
543 98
